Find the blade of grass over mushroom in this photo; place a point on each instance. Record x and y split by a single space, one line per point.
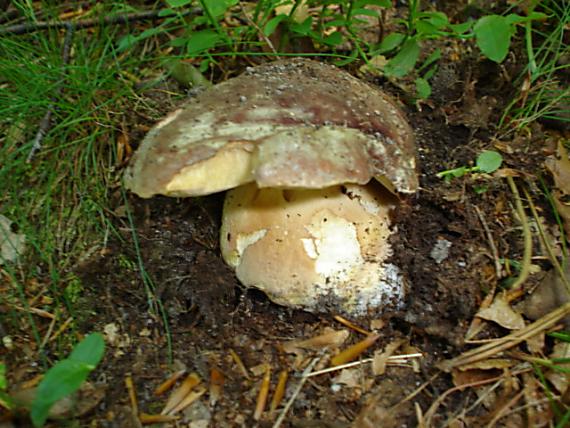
154 302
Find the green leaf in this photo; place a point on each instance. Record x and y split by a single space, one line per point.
437 19
303 28
272 24
333 39
218 7
493 34
126 42
423 88
405 60
425 28
166 12
201 41
380 3
489 161
178 3
3 381
90 350
66 376
365 12
390 42
462 27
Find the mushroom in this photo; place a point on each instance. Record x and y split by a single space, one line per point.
297 143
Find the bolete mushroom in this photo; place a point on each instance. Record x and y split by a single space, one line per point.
297 143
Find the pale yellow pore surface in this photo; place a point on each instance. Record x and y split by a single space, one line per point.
229 168
304 246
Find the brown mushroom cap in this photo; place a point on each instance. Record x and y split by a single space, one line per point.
292 123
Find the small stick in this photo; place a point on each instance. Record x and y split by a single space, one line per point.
551 255
263 393
31 27
279 391
513 339
350 325
45 123
132 395
239 363
168 383
392 360
527 255
354 351
304 378
491 242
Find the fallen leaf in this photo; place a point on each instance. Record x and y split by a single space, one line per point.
74 405
12 244
559 379
330 339
550 294
502 313
381 357
348 377
559 167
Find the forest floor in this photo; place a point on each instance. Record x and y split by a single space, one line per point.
150 276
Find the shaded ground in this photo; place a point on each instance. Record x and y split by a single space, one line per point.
209 314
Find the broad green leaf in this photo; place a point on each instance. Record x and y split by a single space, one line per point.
178 3
461 28
333 39
437 19
425 28
218 7
489 161
405 60
423 88
201 41
66 376
272 24
90 350
60 381
391 41
303 28
493 34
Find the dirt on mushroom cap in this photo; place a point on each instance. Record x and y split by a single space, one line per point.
281 119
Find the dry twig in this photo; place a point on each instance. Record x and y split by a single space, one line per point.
30 27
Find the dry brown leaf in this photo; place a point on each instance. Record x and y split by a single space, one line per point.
502 313
330 339
180 393
537 414
12 245
489 364
559 167
469 377
381 357
550 294
348 377
560 380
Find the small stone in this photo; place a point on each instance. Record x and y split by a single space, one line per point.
440 251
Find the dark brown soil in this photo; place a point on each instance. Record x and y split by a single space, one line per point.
209 313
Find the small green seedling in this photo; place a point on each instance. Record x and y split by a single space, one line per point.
66 376
5 400
488 161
